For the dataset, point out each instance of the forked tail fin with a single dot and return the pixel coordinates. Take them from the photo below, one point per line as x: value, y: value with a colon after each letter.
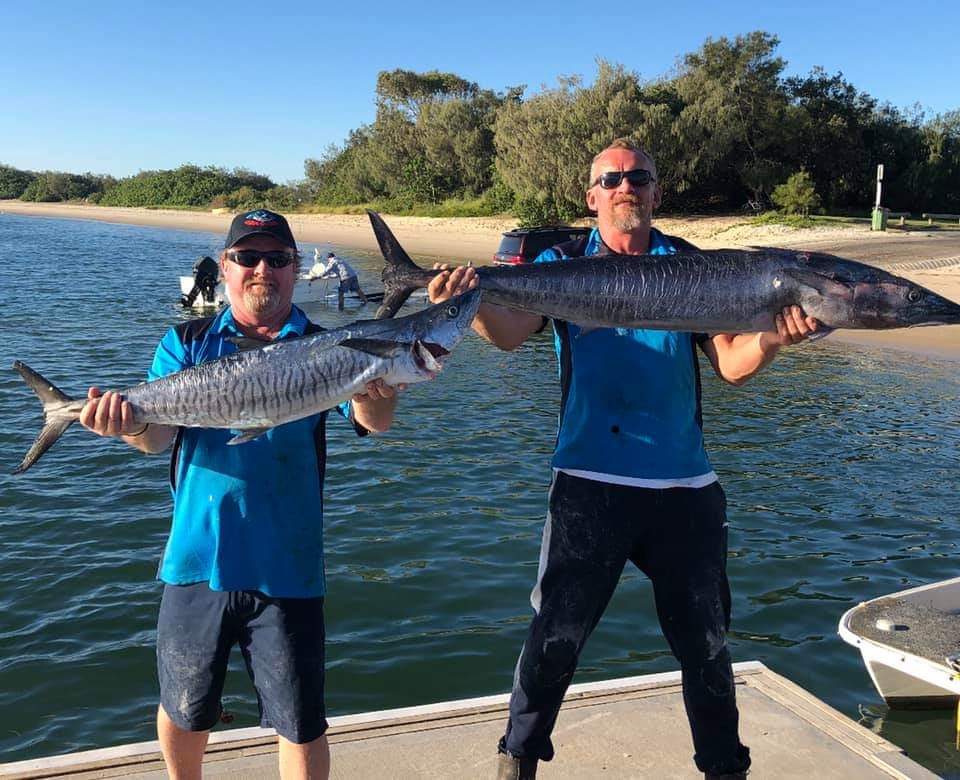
x: 59, y: 413
x: 401, y: 276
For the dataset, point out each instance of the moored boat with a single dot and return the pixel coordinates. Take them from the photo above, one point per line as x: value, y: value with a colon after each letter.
x: 910, y: 643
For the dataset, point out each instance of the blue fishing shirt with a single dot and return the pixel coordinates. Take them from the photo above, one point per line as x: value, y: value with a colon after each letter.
x: 630, y: 403
x: 246, y: 516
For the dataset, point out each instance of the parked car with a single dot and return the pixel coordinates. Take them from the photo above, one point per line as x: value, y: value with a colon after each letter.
x: 524, y: 244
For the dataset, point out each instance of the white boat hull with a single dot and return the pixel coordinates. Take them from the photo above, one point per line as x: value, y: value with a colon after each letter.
x: 904, y: 678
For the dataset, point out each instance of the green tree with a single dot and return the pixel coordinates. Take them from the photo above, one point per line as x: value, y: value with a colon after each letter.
x: 731, y: 128
x: 407, y: 91
x: 829, y: 120
x: 13, y: 181
x: 53, y: 186
x: 545, y: 145
x: 797, y: 195
x: 188, y: 185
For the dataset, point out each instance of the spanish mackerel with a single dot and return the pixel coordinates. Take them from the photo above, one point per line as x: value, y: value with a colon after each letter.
x: 716, y: 291
x: 256, y: 389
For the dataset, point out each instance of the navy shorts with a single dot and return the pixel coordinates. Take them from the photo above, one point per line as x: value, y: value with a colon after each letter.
x: 282, y: 645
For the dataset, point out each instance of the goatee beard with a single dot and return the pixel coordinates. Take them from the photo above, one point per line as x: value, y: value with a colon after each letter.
x: 261, y: 301
x: 627, y: 222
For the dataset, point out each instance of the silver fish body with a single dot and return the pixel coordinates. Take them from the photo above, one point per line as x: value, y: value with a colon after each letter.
x: 256, y: 389
x: 719, y: 291
x: 276, y: 384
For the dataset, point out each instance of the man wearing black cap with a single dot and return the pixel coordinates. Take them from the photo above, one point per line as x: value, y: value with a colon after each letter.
x: 244, y: 561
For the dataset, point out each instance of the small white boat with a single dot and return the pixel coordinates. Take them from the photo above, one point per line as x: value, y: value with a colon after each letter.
x: 910, y: 643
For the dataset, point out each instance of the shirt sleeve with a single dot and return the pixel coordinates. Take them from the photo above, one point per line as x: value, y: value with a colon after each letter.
x: 549, y: 255
x: 170, y: 357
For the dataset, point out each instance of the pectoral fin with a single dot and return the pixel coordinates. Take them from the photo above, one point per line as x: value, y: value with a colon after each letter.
x: 248, y: 435
x: 377, y: 347
x: 820, y: 333
x: 585, y: 330
x: 245, y: 343
x: 822, y: 284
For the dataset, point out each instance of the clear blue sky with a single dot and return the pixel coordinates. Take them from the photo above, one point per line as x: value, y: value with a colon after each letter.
x: 117, y: 87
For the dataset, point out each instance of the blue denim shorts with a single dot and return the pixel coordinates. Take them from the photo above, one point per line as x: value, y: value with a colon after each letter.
x: 282, y: 644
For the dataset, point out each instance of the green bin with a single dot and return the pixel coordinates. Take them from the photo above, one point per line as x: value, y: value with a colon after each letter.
x: 879, y: 221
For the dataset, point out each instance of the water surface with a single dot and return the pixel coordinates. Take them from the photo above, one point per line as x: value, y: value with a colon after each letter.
x: 840, y: 464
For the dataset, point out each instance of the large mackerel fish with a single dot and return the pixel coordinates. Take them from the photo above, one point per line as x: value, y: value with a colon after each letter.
x: 716, y: 291
x: 260, y: 387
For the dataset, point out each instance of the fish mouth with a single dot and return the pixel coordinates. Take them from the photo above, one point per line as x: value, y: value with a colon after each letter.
x: 435, y: 349
x: 425, y: 358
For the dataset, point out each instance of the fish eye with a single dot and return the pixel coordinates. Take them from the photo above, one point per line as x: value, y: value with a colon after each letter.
x: 914, y: 295
x: 453, y: 311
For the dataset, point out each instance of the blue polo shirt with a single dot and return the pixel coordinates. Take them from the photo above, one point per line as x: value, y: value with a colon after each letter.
x: 246, y: 516
x: 630, y: 404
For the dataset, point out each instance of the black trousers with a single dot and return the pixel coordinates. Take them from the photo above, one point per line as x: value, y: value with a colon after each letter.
x: 678, y: 538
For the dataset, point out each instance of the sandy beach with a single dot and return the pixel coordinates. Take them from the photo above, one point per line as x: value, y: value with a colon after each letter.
x: 476, y: 238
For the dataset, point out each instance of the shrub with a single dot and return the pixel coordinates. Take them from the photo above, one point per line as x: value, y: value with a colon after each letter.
x: 797, y: 195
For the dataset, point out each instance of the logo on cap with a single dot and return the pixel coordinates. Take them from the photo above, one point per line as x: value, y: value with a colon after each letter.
x: 259, y: 218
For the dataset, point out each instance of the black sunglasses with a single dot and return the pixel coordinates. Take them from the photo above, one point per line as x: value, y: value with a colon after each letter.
x: 611, y: 179
x: 250, y: 258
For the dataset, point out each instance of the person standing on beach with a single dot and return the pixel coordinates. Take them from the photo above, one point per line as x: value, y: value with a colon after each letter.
x: 244, y: 560
x: 631, y: 481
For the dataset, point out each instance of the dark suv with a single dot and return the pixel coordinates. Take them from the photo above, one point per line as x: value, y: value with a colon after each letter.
x: 524, y: 244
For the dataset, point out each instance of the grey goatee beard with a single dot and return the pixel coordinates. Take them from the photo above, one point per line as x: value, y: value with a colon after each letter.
x: 261, y: 300
x: 626, y: 221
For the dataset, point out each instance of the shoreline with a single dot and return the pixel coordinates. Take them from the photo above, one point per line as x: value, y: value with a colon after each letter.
x: 476, y: 238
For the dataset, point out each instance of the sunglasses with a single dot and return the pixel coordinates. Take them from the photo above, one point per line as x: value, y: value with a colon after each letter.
x: 250, y: 258
x: 611, y: 179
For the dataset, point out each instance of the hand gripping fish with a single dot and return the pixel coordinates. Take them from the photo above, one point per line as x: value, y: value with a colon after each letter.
x: 717, y: 291
x: 256, y: 389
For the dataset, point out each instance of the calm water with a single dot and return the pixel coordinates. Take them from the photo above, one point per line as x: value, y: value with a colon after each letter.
x: 840, y: 465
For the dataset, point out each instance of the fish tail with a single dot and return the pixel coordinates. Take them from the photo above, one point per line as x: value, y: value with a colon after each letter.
x: 401, y: 276
x: 60, y: 411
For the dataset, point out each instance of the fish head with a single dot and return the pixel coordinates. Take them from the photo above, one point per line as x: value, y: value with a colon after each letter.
x: 847, y: 294
x: 439, y: 328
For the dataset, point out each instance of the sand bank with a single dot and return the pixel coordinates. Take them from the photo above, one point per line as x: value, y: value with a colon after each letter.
x: 476, y: 239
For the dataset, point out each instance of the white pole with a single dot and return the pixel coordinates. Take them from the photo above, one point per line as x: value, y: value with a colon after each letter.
x: 879, y: 183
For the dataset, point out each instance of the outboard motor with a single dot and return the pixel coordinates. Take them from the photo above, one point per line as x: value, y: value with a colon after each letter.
x: 206, y: 273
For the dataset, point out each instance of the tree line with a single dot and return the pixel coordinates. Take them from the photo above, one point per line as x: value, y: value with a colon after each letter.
x: 183, y: 187
x: 726, y: 127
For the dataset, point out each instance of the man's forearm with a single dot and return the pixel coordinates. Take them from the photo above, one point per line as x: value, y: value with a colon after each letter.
x: 741, y: 356
x: 505, y: 328
x: 375, y: 415
x: 155, y: 438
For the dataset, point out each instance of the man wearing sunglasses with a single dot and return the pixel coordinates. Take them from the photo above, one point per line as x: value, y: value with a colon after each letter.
x: 631, y: 481
x: 244, y: 560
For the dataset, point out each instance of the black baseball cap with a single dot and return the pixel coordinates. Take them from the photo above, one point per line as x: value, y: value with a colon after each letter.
x: 259, y: 222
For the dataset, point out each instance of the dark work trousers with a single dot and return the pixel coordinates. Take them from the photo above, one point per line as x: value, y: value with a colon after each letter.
x: 678, y: 538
